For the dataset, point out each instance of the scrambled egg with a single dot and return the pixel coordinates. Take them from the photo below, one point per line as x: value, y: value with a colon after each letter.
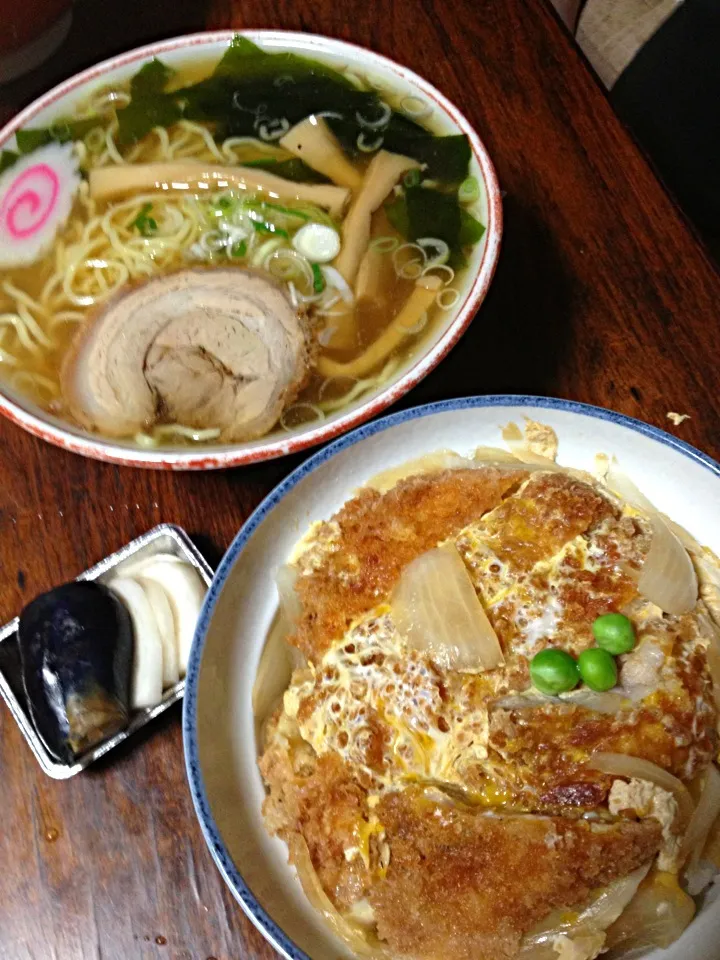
x: 385, y: 711
x: 646, y: 799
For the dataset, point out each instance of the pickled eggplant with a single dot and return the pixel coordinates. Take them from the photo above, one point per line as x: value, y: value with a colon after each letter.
x: 76, y: 648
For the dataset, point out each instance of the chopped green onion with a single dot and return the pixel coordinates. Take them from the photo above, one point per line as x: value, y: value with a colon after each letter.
x: 239, y: 249
x: 318, y: 278
x: 317, y: 242
x: 290, y: 211
x: 385, y: 244
x: 469, y: 190
x: 265, y: 249
x: 262, y: 227
x: 260, y: 206
x: 412, y: 178
x: 146, y: 225
x: 224, y: 203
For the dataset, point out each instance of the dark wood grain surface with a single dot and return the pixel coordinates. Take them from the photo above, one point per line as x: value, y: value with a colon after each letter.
x: 603, y: 295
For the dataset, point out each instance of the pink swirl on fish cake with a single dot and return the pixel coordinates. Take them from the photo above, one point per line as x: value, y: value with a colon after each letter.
x: 29, y: 202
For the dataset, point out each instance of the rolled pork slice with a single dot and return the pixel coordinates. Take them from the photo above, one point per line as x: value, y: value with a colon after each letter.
x: 221, y: 348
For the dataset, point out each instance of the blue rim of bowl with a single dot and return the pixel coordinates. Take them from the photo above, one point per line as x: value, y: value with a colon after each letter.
x: 247, y: 900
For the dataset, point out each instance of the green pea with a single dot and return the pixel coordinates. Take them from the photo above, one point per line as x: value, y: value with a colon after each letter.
x: 615, y: 633
x: 598, y: 669
x: 554, y: 671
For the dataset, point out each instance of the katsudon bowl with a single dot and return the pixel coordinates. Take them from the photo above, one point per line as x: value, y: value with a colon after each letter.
x: 106, y: 220
x: 221, y: 724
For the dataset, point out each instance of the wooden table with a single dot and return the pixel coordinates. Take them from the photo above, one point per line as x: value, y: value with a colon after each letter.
x: 603, y: 295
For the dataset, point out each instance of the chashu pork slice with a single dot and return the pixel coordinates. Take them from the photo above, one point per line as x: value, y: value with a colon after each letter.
x: 217, y: 348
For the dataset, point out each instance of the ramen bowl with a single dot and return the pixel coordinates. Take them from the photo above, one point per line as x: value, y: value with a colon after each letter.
x: 219, y: 726
x: 191, y: 54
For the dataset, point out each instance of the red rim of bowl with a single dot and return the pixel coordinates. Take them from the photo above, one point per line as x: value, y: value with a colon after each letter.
x: 199, y: 459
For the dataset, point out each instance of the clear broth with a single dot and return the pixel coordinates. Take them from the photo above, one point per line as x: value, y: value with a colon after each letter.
x: 37, y: 374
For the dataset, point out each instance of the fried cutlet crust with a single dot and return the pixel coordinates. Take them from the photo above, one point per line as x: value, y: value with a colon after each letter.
x: 469, y: 886
x: 320, y: 799
x: 552, y: 509
x: 379, y: 534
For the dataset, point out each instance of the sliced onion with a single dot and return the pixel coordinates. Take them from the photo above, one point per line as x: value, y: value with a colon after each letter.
x: 442, y: 250
x: 608, y: 703
x: 623, y: 765
x: 602, y: 911
x: 586, y: 946
x: 709, y: 629
x: 495, y: 455
x: 532, y: 700
x: 519, y: 446
x: 429, y: 463
x: 286, y: 580
x: 707, y: 567
x: 333, y: 278
x: 482, y: 458
x: 711, y: 853
x: 277, y: 662
x: 704, y: 816
x: 655, y: 917
x: 623, y: 487
x: 349, y: 934
x: 668, y: 578
x: 437, y: 611
x: 505, y: 460
x: 713, y: 659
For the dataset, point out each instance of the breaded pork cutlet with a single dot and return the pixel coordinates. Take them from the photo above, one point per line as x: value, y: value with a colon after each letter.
x: 452, y: 811
x: 374, y: 536
x: 458, y: 883
x: 469, y: 886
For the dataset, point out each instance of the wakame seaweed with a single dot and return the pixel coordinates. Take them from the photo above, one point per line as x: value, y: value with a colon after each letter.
x: 246, y: 87
x: 151, y: 79
x: 445, y: 158
x: 244, y: 59
x: 425, y: 212
x: 149, y: 105
x: 7, y: 159
x: 241, y: 110
x: 62, y: 131
x: 471, y: 230
x: 251, y: 92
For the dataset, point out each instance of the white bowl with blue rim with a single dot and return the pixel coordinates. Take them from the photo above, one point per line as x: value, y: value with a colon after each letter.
x: 218, y: 723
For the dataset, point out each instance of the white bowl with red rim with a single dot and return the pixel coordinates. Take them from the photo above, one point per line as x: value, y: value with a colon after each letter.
x: 445, y: 333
